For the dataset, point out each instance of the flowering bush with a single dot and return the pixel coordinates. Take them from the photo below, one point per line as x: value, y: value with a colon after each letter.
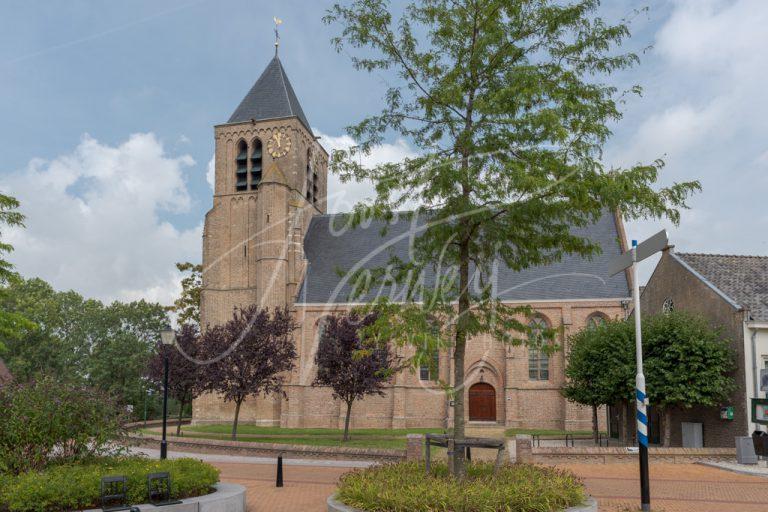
x: 47, y: 422
x: 405, y: 487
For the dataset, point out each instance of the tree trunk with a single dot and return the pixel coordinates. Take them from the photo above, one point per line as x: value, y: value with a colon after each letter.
x: 238, y: 403
x: 666, y: 414
x: 346, y: 421
x: 595, y: 428
x: 622, y: 424
x: 457, y: 458
x: 630, y: 427
x: 181, y: 415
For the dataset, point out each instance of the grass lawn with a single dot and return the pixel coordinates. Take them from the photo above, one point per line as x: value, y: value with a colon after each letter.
x: 360, y: 438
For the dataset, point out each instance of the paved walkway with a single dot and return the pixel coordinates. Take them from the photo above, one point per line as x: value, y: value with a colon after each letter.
x: 674, y: 487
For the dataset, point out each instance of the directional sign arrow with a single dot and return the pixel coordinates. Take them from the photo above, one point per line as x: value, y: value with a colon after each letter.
x: 647, y: 248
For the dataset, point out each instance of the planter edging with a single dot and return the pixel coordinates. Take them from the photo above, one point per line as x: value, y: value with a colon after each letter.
x: 336, y: 506
x: 227, y: 498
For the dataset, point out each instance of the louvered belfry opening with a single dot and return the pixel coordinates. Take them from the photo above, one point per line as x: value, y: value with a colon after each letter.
x: 241, y: 167
x: 256, y: 164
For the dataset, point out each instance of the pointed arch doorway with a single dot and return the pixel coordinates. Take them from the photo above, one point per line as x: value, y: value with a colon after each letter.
x: 482, y: 402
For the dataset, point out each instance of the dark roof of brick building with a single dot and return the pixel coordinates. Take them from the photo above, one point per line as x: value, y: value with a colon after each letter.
x: 332, y: 250
x: 744, y: 279
x: 271, y: 97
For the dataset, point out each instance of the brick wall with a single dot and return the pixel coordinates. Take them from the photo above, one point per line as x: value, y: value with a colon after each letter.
x: 411, y: 402
x: 671, y: 280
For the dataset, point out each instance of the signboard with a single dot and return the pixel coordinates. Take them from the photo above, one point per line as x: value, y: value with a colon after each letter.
x: 764, y: 379
x: 760, y: 411
x: 646, y: 249
x: 726, y: 413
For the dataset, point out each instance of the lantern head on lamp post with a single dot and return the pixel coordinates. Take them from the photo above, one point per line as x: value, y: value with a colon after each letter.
x: 168, y: 339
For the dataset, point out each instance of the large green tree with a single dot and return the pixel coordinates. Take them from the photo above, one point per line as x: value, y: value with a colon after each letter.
x: 187, y: 306
x: 12, y: 325
x: 687, y: 363
x: 508, y: 104
x: 600, y: 366
x: 81, y: 340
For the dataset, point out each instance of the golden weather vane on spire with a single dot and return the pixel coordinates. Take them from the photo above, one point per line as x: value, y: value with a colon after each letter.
x: 278, y: 22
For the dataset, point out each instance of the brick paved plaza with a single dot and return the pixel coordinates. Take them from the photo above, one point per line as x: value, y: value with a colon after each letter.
x: 675, y: 487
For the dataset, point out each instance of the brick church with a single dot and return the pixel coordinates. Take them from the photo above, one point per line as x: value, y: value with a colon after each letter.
x: 269, y: 240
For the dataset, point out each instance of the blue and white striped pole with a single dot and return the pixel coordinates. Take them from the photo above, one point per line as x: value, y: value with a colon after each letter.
x: 640, y: 396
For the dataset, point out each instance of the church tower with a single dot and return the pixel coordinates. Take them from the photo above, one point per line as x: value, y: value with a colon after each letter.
x: 271, y: 178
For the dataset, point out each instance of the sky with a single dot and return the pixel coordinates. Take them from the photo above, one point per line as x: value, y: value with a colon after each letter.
x: 108, y: 111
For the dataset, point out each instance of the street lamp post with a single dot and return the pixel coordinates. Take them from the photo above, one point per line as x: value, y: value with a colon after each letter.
x: 168, y: 339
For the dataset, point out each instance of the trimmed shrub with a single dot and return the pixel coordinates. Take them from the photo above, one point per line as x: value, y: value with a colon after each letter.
x: 48, y: 422
x: 76, y: 487
x: 404, y: 487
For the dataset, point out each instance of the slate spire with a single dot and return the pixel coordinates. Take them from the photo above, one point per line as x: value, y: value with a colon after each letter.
x: 271, y: 97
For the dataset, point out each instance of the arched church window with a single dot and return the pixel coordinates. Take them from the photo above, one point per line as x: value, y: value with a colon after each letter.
x: 595, y: 320
x: 538, y: 359
x: 241, y: 166
x: 668, y: 306
x: 322, y: 325
x: 314, y: 185
x: 309, y: 173
x: 256, y: 164
x: 430, y: 369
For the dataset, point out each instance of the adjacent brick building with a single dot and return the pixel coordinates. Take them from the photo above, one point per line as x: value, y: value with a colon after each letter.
x: 269, y: 240
x: 732, y: 293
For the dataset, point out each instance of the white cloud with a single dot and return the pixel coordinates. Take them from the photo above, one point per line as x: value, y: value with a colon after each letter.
x: 343, y: 196
x: 94, y: 219
x: 718, y: 35
x: 705, y: 113
x: 210, y: 173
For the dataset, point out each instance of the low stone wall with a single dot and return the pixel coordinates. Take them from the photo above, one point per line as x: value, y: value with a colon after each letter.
x: 526, y: 452
x: 221, y: 447
x: 227, y: 498
x: 156, y: 423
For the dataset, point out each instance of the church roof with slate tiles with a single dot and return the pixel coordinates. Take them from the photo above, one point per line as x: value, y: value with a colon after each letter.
x: 331, y: 251
x: 271, y: 97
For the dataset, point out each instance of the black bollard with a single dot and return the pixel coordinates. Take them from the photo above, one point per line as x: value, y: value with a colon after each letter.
x: 469, y: 454
x: 279, y: 482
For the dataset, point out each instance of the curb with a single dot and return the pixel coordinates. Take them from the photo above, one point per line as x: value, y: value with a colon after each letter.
x: 227, y: 498
x: 336, y: 506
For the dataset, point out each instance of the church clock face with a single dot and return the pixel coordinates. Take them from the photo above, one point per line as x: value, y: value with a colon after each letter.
x: 279, y: 145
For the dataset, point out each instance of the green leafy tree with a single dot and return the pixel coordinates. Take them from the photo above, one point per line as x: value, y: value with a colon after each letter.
x: 507, y: 104
x: 9, y: 217
x: 687, y: 363
x: 82, y: 340
x: 600, y: 366
x: 187, y: 306
x: 124, y: 339
x: 61, y: 340
x: 12, y: 325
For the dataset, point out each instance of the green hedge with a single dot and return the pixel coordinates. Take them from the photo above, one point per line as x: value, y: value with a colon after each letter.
x: 76, y: 487
x: 404, y: 487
